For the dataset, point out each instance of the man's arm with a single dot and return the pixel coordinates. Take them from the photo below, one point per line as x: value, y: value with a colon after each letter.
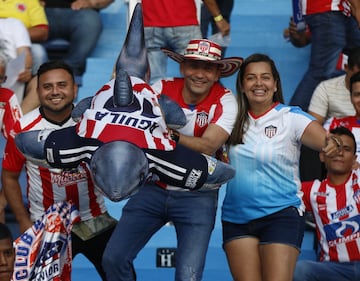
x: 212, y: 139
x: 13, y: 194
x: 221, y: 23
x: 93, y: 4
x: 217, y: 133
x: 38, y: 33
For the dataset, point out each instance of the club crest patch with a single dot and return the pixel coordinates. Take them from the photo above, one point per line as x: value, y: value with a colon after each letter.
x: 204, y: 48
x: 270, y: 131
x: 202, y: 119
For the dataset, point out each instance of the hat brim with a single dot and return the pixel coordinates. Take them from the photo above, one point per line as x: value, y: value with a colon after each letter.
x: 228, y: 66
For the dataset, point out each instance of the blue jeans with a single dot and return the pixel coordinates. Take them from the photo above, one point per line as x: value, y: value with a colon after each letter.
x: 193, y: 215
x: 326, y: 271
x: 81, y: 28
x: 331, y: 33
x: 173, y: 38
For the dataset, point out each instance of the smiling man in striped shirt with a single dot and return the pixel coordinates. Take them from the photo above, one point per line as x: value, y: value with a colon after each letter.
x: 335, y: 203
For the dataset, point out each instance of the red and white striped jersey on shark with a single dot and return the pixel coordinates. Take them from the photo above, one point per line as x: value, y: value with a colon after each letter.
x: 140, y: 123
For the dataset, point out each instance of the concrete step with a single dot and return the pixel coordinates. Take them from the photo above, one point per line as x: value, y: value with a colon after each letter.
x: 262, y: 7
x: 98, y: 73
x: 157, y: 274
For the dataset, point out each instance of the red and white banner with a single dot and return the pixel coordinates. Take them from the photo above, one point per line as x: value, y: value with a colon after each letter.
x: 43, y: 252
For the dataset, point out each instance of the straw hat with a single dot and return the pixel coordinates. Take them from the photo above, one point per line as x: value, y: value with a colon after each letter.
x: 206, y: 50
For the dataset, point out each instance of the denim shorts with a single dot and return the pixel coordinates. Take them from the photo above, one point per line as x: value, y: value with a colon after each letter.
x: 285, y: 227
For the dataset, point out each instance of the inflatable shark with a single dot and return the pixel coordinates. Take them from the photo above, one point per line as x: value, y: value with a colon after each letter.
x: 123, y: 133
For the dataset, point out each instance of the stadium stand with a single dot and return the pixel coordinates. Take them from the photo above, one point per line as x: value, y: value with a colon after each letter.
x: 256, y: 26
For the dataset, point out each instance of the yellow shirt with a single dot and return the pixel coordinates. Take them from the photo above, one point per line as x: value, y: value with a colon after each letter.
x: 30, y: 12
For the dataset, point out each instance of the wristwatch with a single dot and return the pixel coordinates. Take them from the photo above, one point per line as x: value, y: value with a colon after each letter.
x: 174, y: 135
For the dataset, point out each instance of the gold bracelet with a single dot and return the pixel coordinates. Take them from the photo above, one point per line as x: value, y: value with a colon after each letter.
x: 218, y: 18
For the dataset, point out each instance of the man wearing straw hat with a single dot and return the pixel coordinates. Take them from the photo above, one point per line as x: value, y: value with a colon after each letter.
x: 210, y: 111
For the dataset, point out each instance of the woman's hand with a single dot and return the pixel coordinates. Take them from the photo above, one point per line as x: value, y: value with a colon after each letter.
x: 333, y: 144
